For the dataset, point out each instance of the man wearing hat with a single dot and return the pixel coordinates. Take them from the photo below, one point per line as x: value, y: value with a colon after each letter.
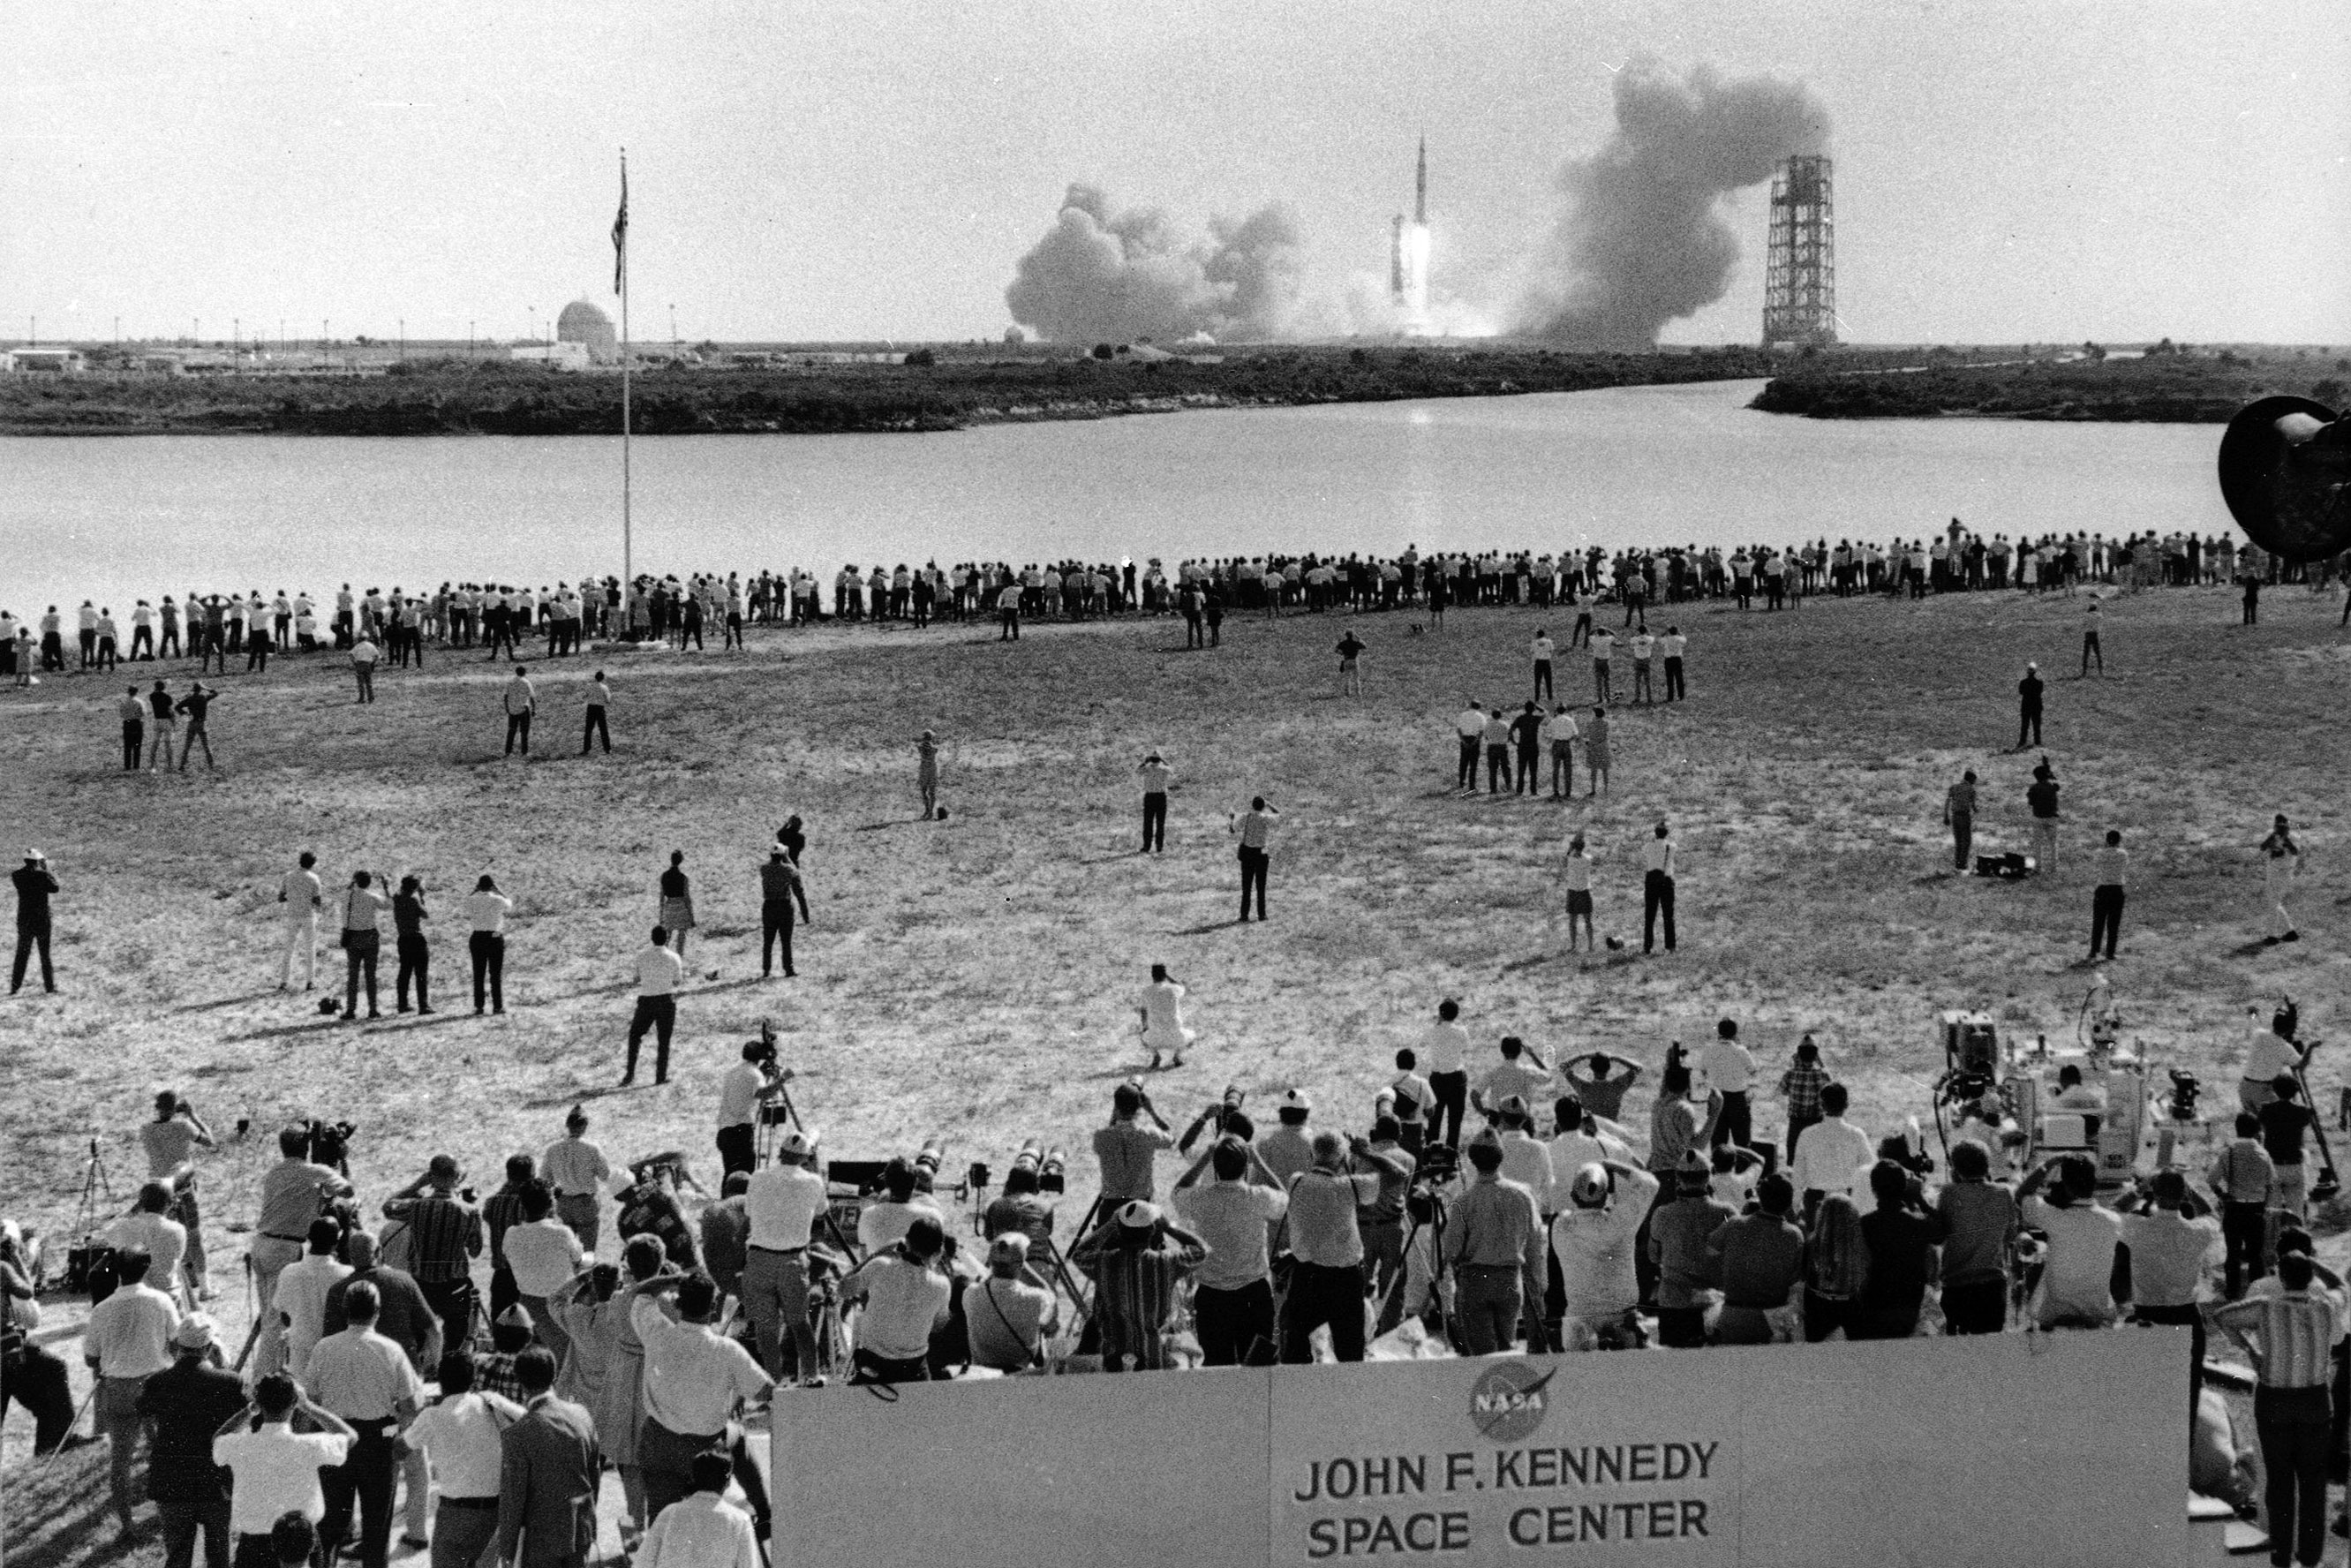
x: 1493, y: 1242
x: 35, y: 887
x: 1009, y: 1318
x: 783, y: 1202
x: 1289, y: 1148
x: 1135, y: 1256
x: 1594, y: 1239
x: 189, y: 1401
x: 445, y: 1237
x: 1687, y: 1275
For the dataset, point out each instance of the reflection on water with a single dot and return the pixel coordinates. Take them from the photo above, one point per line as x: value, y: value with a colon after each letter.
x: 114, y: 517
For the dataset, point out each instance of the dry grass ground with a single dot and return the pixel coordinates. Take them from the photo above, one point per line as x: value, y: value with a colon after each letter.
x: 975, y: 976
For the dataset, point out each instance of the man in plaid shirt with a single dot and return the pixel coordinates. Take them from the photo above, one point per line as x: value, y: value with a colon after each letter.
x: 446, y: 1236
x: 1800, y: 1087
x: 1136, y: 1255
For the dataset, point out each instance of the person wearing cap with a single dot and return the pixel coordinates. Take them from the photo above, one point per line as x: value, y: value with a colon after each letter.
x: 274, y: 1469
x: 1126, y: 1150
x: 1136, y: 1255
x: 127, y: 1341
x: 301, y: 1299
x: 1326, y: 1281
x: 1006, y: 1317
x: 701, y: 1529
x: 783, y: 1202
x: 908, y: 1298
x: 1493, y: 1242
x: 1595, y: 1241
x: 549, y: 1467
x: 444, y: 1237
x: 780, y: 887
x: 660, y: 972
x: 188, y: 1401
x: 580, y: 1173
x: 457, y: 1439
x: 1232, y: 1298
x: 366, y: 1379
x: 1679, y: 1230
x: 1156, y: 775
x: 35, y: 887
x: 2028, y: 706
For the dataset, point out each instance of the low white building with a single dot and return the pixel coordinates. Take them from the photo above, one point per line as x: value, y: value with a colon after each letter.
x: 45, y: 362
x: 560, y: 356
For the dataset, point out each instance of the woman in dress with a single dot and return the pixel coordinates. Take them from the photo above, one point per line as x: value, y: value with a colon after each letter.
x: 676, y: 902
x: 2280, y: 864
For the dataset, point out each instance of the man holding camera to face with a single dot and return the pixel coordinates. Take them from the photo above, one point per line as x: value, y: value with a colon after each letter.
x: 1326, y: 1284
x: 907, y: 1298
x: 743, y: 1095
x: 1126, y: 1149
x: 1232, y: 1303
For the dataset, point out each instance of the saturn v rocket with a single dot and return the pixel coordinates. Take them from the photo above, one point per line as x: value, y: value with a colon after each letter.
x: 1408, y: 256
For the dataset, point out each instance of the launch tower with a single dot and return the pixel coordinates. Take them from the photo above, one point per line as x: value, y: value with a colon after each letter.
x: 1800, y: 265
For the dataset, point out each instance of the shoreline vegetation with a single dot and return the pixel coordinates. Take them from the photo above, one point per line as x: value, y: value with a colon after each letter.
x: 433, y: 391
x: 2164, y: 385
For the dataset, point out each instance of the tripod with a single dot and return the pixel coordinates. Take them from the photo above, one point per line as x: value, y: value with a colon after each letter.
x: 95, y: 1181
x: 2328, y: 1185
x: 778, y: 1097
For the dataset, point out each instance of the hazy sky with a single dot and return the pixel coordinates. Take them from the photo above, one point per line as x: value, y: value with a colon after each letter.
x: 2034, y: 170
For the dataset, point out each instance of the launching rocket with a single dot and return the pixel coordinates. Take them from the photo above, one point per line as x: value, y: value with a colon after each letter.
x: 1408, y: 254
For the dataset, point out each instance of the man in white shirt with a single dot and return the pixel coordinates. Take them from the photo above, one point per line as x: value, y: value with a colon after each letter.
x: 1830, y: 1153
x: 1470, y: 728
x: 301, y: 1299
x: 275, y: 1469
x: 2112, y: 863
x: 1670, y: 647
x: 458, y: 1434
x: 1444, y: 1054
x: 1730, y: 1068
x: 520, y: 700
x: 2077, y: 1278
x: 660, y: 972
x: 366, y: 1379
x: 149, y: 1229
x: 701, y: 1529
x: 1558, y: 737
x: 1526, y: 1159
x: 741, y: 1093
x: 543, y: 1256
x: 1604, y: 648
x: 886, y: 1221
x: 2171, y: 1237
x: 169, y: 1142
x: 2272, y: 1051
x: 127, y: 1341
x: 1255, y: 829
x: 906, y: 1299
x: 1232, y: 1299
x: 1657, y: 871
x: 1594, y: 1240
x: 693, y: 1382
x: 486, y: 912
x: 1162, y: 1007
x: 580, y: 1173
x: 1009, y: 1318
x: 782, y: 1203
x: 1516, y: 1076
x: 1579, y: 1139
x: 303, y: 895
x: 1543, y: 692
x: 365, y: 654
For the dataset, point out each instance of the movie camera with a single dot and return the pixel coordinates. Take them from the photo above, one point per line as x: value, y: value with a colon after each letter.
x: 1424, y: 1199
x: 328, y: 1143
x: 2033, y: 1103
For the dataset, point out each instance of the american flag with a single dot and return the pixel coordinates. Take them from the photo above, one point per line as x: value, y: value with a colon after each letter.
x: 620, y: 233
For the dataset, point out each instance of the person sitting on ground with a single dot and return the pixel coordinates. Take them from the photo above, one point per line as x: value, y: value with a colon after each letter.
x: 1837, y: 1266
x: 2076, y: 1278
x: 1759, y: 1258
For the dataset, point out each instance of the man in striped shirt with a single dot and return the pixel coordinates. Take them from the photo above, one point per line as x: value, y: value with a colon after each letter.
x: 2292, y: 1335
x: 446, y: 1238
x: 1135, y: 1257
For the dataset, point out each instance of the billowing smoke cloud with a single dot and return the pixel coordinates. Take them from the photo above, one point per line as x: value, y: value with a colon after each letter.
x: 1643, y: 240
x: 1100, y: 275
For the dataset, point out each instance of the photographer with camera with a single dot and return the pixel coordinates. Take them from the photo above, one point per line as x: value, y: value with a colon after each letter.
x: 783, y: 1203
x: 1232, y: 1299
x: 1023, y: 1206
x: 883, y: 1225
x: 1135, y: 1257
x: 1125, y: 1150
x: 1009, y: 1318
x: 2077, y: 1276
x: 1494, y: 1246
x: 695, y: 1382
x: 294, y: 1192
x: 149, y: 1228
x: 445, y: 1237
x: 170, y: 1143
x: 907, y: 1297
x: 749, y: 1086
x: 1225, y: 1115
x: 1326, y: 1279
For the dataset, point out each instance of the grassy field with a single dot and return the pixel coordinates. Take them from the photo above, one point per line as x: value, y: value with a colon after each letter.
x: 2199, y: 389
x: 975, y: 976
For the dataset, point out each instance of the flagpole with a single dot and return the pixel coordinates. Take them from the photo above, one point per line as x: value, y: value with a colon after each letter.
x: 628, y: 561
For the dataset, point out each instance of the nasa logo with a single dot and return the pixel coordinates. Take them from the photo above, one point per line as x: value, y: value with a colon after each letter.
x: 1509, y: 1401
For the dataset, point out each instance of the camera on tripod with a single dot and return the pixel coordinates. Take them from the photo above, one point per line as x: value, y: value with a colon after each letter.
x: 1970, y: 1058
x: 1046, y: 1163
x: 2182, y: 1107
x: 1423, y: 1199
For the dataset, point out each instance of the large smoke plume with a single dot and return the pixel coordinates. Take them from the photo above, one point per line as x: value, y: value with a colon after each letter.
x: 1102, y: 275
x: 1643, y: 240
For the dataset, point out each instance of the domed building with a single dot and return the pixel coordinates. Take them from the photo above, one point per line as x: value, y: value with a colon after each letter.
x: 584, y: 322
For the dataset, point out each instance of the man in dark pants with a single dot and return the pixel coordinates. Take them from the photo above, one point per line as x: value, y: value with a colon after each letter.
x: 2241, y: 1178
x: 134, y: 728
x: 445, y: 1236
x: 548, y: 1475
x: 660, y: 971
x: 1526, y: 730
x: 2170, y: 1237
x: 1256, y: 831
x: 35, y: 888
x: 189, y: 1401
x: 2106, y: 901
x: 2028, y: 706
x: 363, y: 1377
x: 1960, y: 815
x: 1658, y: 889
x: 600, y: 699
x: 1154, y: 803
x: 2252, y: 600
x: 779, y: 885
x: 2291, y: 1334
x: 522, y: 702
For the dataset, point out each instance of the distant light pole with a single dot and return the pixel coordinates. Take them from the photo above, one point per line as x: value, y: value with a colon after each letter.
x: 32, y: 331
x: 322, y: 340
x: 235, y: 339
x: 673, y: 333
x: 195, y: 331
x: 469, y: 339
x: 403, y: 337
x: 534, y: 323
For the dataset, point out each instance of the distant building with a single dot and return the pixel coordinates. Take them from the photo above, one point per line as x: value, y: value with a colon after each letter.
x: 585, y: 323
x: 47, y: 362
x: 564, y: 354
